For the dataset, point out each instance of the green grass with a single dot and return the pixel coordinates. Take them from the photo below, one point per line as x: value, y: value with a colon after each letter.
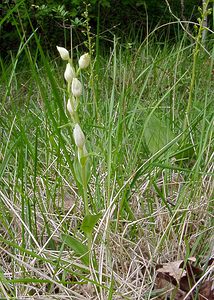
x: 151, y: 181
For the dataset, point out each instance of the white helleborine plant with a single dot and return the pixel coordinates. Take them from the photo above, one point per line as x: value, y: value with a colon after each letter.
x: 84, y: 61
x: 69, y: 73
x: 76, y: 87
x: 73, y: 93
x: 79, y: 136
x: 63, y: 53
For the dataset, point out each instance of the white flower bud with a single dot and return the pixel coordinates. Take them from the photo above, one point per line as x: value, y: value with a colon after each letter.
x: 76, y: 87
x: 79, y: 136
x: 72, y: 105
x: 69, y: 106
x: 63, y: 53
x: 84, y: 61
x: 69, y: 73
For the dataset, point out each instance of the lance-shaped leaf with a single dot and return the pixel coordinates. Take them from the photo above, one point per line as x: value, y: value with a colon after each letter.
x: 157, y: 134
x: 78, y: 247
x: 89, y: 222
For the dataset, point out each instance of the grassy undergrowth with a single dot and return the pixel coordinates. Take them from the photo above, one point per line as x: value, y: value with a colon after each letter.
x: 150, y: 180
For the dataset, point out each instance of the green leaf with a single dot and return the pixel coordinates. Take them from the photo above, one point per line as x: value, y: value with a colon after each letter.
x: 157, y: 134
x: 89, y: 222
x: 186, y: 152
x: 77, y: 170
x: 78, y: 247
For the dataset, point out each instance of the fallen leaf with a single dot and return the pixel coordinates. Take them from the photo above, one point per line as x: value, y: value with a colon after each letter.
x: 166, y: 289
x: 177, y: 279
x: 205, y: 291
x: 180, y: 295
x: 191, y: 277
x: 173, y: 269
x: 162, y: 288
x: 163, y: 284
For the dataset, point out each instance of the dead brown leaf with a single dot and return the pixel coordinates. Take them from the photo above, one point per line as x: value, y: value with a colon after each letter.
x: 205, y: 291
x: 173, y: 269
x: 191, y: 277
x: 180, y: 295
x: 168, y: 289
x: 177, y: 279
x: 163, y: 286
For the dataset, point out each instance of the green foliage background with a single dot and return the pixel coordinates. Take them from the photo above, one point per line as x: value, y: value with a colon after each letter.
x: 51, y: 18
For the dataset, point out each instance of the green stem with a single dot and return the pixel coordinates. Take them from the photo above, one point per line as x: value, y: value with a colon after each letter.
x: 85, y: 198
x: 195, y: 57
x: 84, y: 185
